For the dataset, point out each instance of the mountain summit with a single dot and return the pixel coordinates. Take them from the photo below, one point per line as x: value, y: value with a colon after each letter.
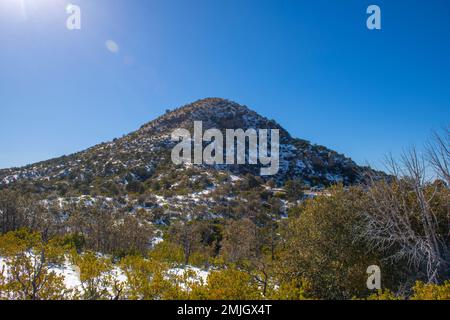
x: 144, y: 155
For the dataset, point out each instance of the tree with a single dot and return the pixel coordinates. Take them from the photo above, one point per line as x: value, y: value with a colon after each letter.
x: 146, y: 279
x: 96, y: 223
x: 251, y: 249
x: 420, y: 291
x: 239, y: 241
x: 28, y: 276
x: 321, y: 245
x: 110, y: 230
x: 227, y: 284
x: 186, y: 235
x: 10, y: 215
x: 438, y: 154
x: 407, y: 218
x: 96, y: 278
x: 296, y: 289
x: 424, y: 291
x: 131, y: 236
x: 294, y: 190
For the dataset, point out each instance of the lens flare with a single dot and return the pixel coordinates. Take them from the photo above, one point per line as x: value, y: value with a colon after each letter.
x: 25, y: 8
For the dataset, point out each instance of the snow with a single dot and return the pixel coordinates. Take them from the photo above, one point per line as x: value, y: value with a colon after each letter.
x: 198, y: 275
x: 235, y: 178
x: 156, y: 240
x: 301, y: 165
x: 160, y: 200
x: 334, y: 177
x: 2, y: 264
x: 71, y: 273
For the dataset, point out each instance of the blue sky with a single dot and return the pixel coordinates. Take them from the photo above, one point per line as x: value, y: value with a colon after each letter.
x: 311, y: 65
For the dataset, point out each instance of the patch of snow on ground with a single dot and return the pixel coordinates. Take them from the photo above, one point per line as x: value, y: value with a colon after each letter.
x: 200, y: 274
x: 156, y: 240
x: 70, y: 273
x: 235, y: 178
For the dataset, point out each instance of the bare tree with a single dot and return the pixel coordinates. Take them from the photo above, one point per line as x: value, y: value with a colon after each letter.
x: 187, y: 236
x: 10, y: 215
x: 240, y: 241
x: 406, y: 216
x: 438, y: 152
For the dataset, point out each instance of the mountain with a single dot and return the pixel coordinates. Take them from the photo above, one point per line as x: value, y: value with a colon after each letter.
x: 135, y: 172
x: 136, y: 156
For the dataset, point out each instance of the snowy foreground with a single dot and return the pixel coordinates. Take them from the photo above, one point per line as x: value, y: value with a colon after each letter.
x: 71, y: 273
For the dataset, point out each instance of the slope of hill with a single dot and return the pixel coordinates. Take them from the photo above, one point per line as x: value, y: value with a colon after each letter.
x: 145, y: 154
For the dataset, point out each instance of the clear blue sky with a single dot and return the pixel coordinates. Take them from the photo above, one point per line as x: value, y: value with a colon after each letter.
x: 311, y: 65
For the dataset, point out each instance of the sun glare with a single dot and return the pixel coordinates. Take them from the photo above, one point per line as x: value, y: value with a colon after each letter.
x: 25, y: 8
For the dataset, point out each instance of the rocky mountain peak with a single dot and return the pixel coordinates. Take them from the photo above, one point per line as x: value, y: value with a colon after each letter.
x: 140, y: 154
x: 214, y: 113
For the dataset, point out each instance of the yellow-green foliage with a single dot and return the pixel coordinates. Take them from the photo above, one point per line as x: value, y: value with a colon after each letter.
x: 30, y: 279
x: 384, y: 295
x: 16, y: 242
x: 319, y: 245
x: 227, y: 284
x: 424, y: 291
x: 167, y: 252
x: 3, y: 282
x: 95, y: 275
x: 145, y: 279
x: 421, y: 291
x: 293, y: 290
x: 28, y: 258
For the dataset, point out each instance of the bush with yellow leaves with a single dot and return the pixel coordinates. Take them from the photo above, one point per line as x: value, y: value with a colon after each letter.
x: 424, y: 291
x: 28, y: 274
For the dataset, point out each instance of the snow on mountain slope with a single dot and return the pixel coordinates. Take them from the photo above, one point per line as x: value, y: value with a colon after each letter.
x: 138, y: 155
